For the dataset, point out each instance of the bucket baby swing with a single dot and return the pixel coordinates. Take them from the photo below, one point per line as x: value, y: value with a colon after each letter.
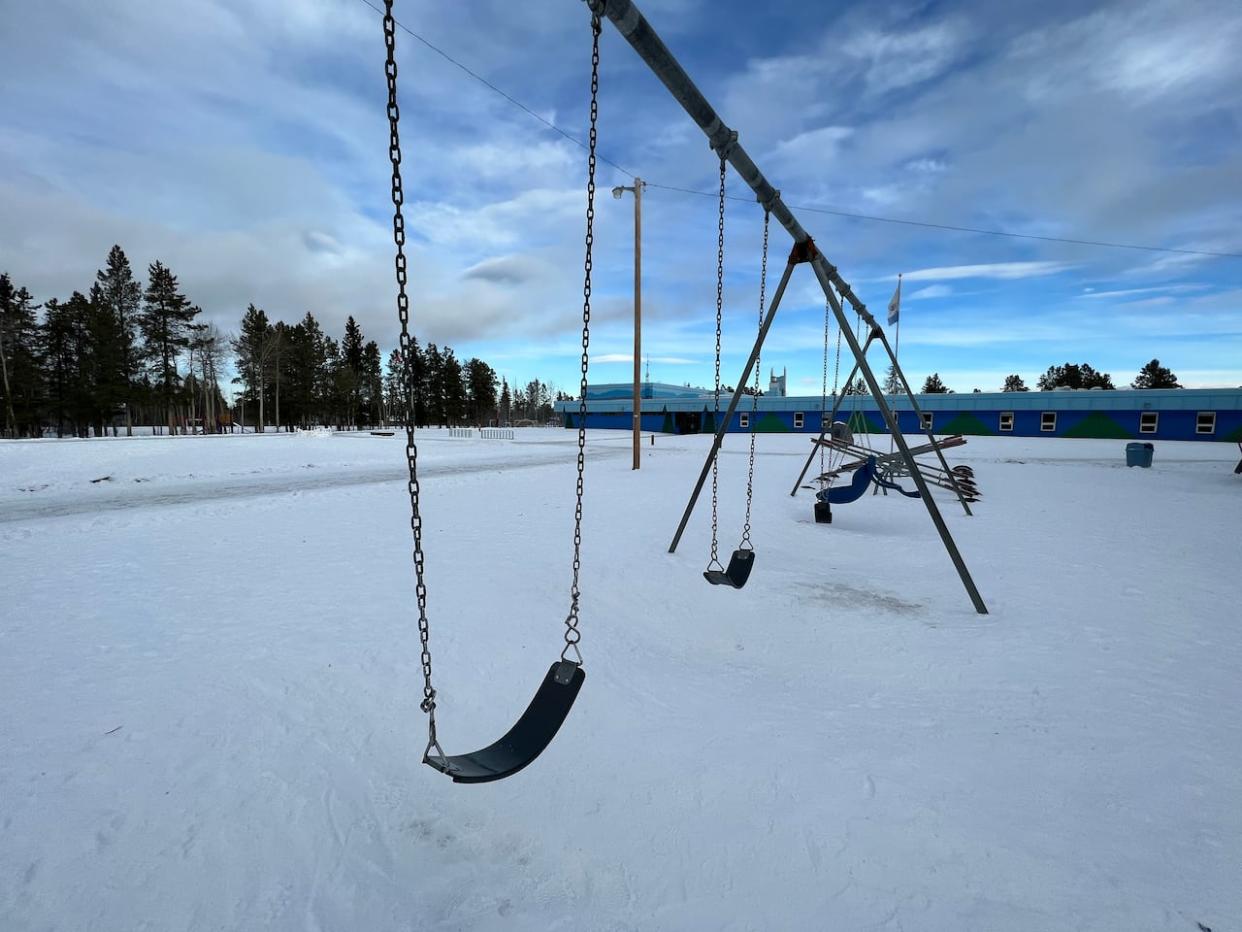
x: 743, y: 559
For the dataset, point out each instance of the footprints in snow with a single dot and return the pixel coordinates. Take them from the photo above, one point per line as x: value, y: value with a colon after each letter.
x: 841, y: 593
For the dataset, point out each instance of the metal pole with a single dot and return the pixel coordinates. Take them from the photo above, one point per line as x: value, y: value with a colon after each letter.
x: 634, y: 28
x: 737, y: 394
x: 638, y: 318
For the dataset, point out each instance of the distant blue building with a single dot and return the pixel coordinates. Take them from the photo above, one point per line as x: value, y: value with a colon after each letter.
x: 1154, y: 414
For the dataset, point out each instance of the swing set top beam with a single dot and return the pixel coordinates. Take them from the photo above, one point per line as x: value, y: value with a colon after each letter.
x: 634, y: 28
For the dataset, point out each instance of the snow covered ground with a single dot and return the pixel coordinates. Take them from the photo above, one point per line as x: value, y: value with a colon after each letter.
x: 209, y: 680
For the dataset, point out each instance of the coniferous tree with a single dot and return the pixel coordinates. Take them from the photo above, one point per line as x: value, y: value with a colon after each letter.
x: 117, y: 297
x: 351, y: 381
x: 1154, y: 375
x: 297, y: 369
x: 165, y: 319
x: 79, y: 397
x: 21, y: 378
x: 373, y: 383
x: 418, y: 375
x: 934, y: 386
x: 69, y: 348
x: 277, y: 339
x: 432, y: 384
x: 892, y: 385
x: 104, y: 362
x: 333, y: 402
x: 481, y: 385
x: 254, y: 347
x: 316, y: 372
x: 1073, y: 375
x: 1014, y: 383
x: 455, y: 398
x: 506, y: 403
x: 59, y: 350
x: 394, y: 387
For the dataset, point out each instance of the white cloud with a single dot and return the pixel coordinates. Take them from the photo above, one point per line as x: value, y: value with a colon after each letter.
x: 629, y: 358
x: 1001, y: 270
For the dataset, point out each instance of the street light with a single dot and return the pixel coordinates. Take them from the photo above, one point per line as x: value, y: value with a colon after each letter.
x: 637, y: 190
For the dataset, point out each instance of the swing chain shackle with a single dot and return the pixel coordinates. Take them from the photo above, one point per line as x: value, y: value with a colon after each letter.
x: 428, y: 704
x: 572, y: 634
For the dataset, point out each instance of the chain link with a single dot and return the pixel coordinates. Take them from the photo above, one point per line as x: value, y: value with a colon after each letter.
x: 572, y: 634
x: 715, y: 558
x: 754, y: 398
x: 428, y: 705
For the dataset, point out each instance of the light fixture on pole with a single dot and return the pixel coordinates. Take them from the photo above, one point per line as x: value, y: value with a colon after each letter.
x: 637, y: 190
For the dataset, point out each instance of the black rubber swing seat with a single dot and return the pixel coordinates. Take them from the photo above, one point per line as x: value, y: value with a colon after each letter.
x: 740, y: 565
x: 527, y: 739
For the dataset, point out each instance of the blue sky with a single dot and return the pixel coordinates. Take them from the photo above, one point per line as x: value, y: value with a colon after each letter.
x: 245, y: 145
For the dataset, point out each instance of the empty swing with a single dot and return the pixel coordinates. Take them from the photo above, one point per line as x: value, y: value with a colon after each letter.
x: 742, y: 560
x: 538, y: 725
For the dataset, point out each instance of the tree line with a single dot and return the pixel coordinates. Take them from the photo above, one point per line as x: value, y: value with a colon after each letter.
x: 1069, y: 375
x: 124, y: 354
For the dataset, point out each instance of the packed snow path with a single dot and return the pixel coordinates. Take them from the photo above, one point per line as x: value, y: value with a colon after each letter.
x: 209, y: 680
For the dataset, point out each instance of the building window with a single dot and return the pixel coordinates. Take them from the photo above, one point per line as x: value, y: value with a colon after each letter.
x: 743, y: 419
x: 1205, y: 422
x: 926, y: 417
x: 797, y: 420
x: 825, y: 421
x: 1048, y: 421
x: 1148, y: 421
x: 1006, y: 420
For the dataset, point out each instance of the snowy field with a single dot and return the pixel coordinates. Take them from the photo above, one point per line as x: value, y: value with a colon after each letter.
x: 209, y: 680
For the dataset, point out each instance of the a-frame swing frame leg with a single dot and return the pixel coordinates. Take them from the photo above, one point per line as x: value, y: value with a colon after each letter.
x: 823, y: 273
x: 742, y: 382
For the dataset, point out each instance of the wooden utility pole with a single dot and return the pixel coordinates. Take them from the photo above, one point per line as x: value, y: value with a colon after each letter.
x: 637, y: 190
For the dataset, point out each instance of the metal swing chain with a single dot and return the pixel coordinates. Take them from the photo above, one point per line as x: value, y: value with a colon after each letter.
x: 823, y: 388
x: 572, y: 634
x: 836, y: 378
x: 754, y: 398
x: 428, y: 704
x: 715, y: 560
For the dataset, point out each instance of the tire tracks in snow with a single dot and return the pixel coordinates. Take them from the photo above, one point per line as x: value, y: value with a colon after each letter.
x: 14, y: 511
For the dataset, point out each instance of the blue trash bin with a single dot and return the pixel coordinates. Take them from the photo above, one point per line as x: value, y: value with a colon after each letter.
x: 1139, y: 454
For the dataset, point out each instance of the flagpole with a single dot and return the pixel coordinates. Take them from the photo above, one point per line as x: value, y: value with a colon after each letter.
x: 896, y: 356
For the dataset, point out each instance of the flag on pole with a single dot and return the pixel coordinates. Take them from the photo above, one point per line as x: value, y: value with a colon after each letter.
x: 894, y: 305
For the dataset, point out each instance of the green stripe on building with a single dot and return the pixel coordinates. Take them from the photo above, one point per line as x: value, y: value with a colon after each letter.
x: 1098, y: 426
x: 966, y: 423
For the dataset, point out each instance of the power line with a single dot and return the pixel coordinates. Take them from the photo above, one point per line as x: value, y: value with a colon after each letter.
x: 852, y: 215
x: 959, y: 229
x: 488, y: 84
